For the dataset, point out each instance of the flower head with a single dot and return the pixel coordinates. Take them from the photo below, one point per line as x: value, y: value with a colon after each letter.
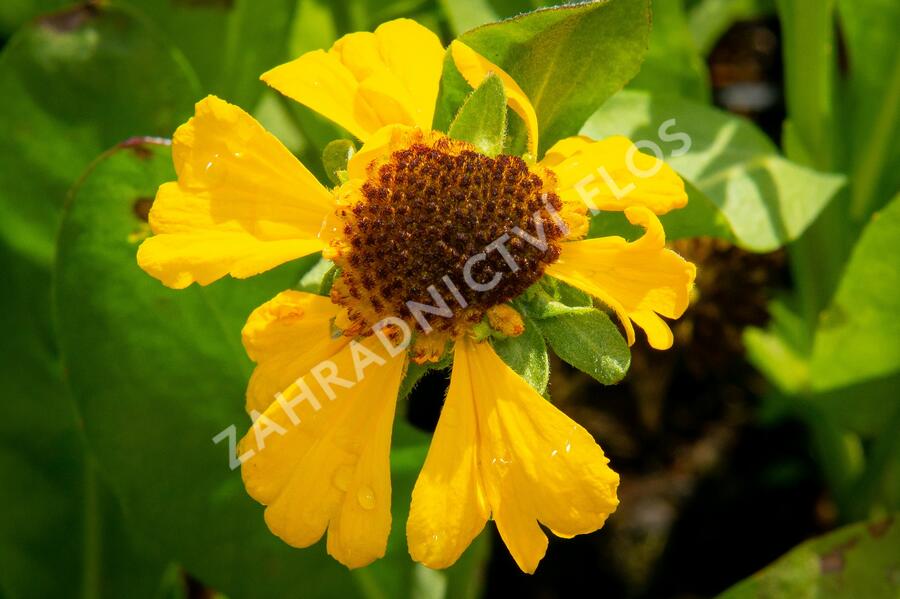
x: 420, y: 216
x: 431, y: 239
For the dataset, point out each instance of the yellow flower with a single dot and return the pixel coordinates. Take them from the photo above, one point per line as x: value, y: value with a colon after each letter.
x: 422, y: 223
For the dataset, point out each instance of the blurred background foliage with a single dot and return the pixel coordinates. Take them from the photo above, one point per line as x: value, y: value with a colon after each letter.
x: 774, y: 420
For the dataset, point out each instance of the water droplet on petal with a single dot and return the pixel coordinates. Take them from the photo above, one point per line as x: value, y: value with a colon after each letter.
x: 568, y: 446
x: 216, y: 171
x: 343, y: 477
x: 366, y: 498
x: 553, y: 453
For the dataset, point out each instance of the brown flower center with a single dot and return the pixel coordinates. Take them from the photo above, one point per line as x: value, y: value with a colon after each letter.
x: 439, y: 224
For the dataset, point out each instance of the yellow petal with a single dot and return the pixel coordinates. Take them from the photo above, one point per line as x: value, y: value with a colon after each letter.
x: 565, y: 148
x: 369, y: 80
x: 378, y: 146
x: 499, y: 441
x: 639, y: 280
x: 536, y: 463
x: 329, y: 468
x: 614, y: 174
x: 474, y: 68
x: 449, y: 507
x: 242, y: 204
x: 286, y: 337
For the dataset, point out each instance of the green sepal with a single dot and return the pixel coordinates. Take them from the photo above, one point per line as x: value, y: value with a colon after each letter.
x: 548, y: 298
x: 415, y: 372
x: 587, y: 339
x: 527, y: 355
x: 481, y: 120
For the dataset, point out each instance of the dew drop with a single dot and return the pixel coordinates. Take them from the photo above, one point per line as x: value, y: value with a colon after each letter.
x: 366, y: 498
x: 553, y: 453
x: 342, y: 477
x: 568, y: 446
x: 216, y: 170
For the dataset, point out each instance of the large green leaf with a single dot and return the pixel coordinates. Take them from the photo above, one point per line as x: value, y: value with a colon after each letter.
x: 63, y: 533
x: 765, y: 200
x: 229, y: 43
x: 158, y: 373
x: 857, y: 336
x: 568, y: 59
x: 74, y: 84
x: 860, y: 560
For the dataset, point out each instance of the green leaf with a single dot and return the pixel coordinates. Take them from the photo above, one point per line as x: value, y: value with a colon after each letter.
x: 179, y: 379
x: 865, y: 408
x: 69, y: 82
x: 859, y: 560
x: 781, y: 363
x: 229, y: 43
x: 872, y: 91
x: 482, y: 119
x: 550, y: 297
x: 735, y: 171
x: 74, y: 84
x: 589, y: 341
x: 527, y: 355
x: 780, y: 351
x: 63, y: 533
x: 553, y: 53
x: 857, y: 335
x: 673, y: 65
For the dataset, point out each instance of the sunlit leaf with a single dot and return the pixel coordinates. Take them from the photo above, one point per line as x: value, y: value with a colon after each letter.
x: 552, y: 52
x: 857, y: 337
x: 765, y: 199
